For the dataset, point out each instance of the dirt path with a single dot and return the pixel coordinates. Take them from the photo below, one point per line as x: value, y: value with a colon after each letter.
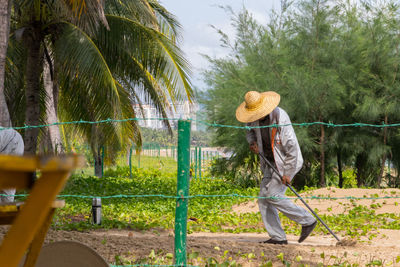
x: 382, y: 250
x: 315, y: 250
x: 380, y: 200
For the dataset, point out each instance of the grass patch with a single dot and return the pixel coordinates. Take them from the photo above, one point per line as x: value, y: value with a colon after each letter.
x: 143, y: 213
x: 210, y: 214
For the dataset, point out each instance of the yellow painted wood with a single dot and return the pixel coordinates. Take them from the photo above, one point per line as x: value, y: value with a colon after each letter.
x: 13, y: 179
x: 37, y: 242
x: 32, y: 218
x: 8, y: 217
x: 7, y: 208
x: 15, y: 206
x: 44, y: 163
x: 58, y: 203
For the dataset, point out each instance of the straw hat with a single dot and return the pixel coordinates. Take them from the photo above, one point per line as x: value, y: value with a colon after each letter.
x: 257, y: 105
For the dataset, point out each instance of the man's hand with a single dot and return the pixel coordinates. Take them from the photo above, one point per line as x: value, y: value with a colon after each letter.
x: 285, y: 180
x: 254, y: 147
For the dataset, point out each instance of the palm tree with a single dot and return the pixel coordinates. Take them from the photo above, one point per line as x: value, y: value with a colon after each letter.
x: 99, y: 70
x: 5, y: 11
x: 34, y: 21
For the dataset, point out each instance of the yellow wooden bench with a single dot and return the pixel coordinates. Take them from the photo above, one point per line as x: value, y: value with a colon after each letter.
x: 30, y: 223
x: 8, y: 211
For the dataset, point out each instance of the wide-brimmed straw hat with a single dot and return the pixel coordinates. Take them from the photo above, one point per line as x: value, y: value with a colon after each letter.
x: 257, y: 105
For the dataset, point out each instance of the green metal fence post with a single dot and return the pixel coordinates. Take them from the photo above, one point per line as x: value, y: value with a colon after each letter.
x: 200, y: 159
x: 195, y: 163
x: 182, y: 192
x: 130, y: 162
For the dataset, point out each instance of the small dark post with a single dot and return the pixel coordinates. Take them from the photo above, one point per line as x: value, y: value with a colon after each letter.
x: 96, y: 210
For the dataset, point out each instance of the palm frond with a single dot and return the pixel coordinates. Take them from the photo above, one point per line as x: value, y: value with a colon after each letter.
x: 137, y: 10
x: 14, y: 84
x: 155, y: 52
x: 80, y: 59
x: 169, y: 24
x: 86, y: 14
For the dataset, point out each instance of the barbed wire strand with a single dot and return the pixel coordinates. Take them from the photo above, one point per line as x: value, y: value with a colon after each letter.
x: 303, y: 124
x: 215, y: 196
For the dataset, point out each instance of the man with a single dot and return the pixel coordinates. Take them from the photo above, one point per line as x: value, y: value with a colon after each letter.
x: 10, y: 143
x: 280, y: 147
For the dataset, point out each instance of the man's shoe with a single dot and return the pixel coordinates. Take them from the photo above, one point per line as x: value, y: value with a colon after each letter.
x: 306, y: 231
x: 275, y: 242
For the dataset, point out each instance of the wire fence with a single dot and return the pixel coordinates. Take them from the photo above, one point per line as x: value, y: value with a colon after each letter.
x: 218, y: 196
x: 211, y: 124
x: 197, y: 158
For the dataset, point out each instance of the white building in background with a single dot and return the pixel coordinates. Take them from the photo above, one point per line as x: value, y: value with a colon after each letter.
x: 183, y: 110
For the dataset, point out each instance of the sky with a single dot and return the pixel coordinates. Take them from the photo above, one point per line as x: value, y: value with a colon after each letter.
x: 199, y: 37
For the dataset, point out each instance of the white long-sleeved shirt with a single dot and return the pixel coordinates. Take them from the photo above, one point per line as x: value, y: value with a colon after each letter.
x: 285, y: 147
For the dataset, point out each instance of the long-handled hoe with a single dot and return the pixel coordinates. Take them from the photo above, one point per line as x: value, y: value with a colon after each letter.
x: 345, y: 242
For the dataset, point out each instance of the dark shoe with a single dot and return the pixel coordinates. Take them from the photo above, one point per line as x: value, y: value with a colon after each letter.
x: 275, y: 242
x: 306, y: 231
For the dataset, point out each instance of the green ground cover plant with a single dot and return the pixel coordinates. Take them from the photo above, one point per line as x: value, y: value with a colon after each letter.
x: 143, y: 212
x: 228, y: 258
x: 121, y: 168
x: 210, y: 214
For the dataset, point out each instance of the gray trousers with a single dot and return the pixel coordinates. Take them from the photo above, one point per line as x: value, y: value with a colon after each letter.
x: 271, y: 186
x: 11, y: 143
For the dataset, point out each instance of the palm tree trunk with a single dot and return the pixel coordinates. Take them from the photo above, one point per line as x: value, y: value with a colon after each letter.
x: 5, y: 12
x: 32, y: 93
x: 96, y: 147
x: 380, y: 176
x: 339, y: 163
x: 322, y: 182
x: 55, y: 142
x: 98, y: 163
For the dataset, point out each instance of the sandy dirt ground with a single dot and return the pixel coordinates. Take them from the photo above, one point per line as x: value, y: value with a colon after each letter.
x: 389, y: 201
x: 316, y: 250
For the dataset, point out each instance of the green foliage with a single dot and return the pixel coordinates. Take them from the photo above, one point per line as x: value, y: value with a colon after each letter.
x: 164, y: 138
x: 147, y: 212
x: 114, y: 56
x: 331, y: 61
x: 166, y: 164
x: 349, y: 177
x: 245, y: 175
x: 210, y: 214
